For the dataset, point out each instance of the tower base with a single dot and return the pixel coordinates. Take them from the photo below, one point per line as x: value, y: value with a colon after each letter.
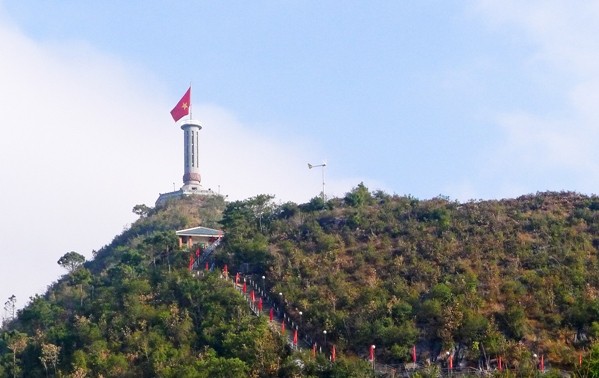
x: 185, y: 191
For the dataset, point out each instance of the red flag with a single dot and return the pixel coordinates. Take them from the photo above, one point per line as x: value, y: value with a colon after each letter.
x: 182, y: 108
x: 270, y: 314
x: 500, y: 367
x: 283, y: 327
x: 191, y: 261
x: 198, y: 252
x: 542, y: 363
x: 253, y: 296
x: 333, y: 354
x: 372, y: 352
x: 245, y: 288
x: 226, y: 271
x: 314, y: 350
x: 295, y: 337
x: 414, y: 354
x: 579, y: 359
x: 451, y: 362
x: 260, y: 304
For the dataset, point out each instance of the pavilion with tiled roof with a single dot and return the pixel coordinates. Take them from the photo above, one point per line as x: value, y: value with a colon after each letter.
x: 198, y: 235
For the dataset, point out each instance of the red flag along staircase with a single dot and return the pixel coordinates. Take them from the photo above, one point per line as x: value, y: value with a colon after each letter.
x: 279, y: 321
x: 202, y: 256
x: 260, y: 304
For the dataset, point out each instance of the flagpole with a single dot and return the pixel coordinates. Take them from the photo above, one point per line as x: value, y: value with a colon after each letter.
x: 190, y: 106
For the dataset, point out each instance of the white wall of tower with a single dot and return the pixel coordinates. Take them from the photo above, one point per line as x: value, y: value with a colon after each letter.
x: 191, y: 148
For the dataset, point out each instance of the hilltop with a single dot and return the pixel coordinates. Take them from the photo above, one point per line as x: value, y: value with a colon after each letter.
x: 476, y: 281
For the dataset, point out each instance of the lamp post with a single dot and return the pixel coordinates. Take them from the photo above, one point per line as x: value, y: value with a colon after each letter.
x: 325, y: 338
x: 300, y: 314
x: 263, y: 285
x: 310, y: 166
x: 280, y: 303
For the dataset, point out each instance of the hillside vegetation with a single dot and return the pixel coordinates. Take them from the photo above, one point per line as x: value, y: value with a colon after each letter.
x: 513, y: 278
x: 482, y: 279
x: 137, y: 311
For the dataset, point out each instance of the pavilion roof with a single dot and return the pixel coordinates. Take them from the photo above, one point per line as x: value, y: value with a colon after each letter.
x: 200, y: 231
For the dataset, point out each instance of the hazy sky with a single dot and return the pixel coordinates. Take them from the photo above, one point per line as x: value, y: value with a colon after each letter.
x: 468, y: 99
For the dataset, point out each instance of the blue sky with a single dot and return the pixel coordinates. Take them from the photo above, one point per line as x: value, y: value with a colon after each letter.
x: 468, y: 99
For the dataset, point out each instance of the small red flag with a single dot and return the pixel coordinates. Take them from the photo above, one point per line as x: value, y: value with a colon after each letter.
x: 451, y: 362
x: 260, y: 304
x: 182, y: 108
x: 253, y: 296
x: 372, y: 352
x: 542, y: 363
x: 500, y: 367
x: 270, y: 314
x: 295, y: 337
x: 198, y: 252
x: 314, y: 350
x: 414, y: 354
x: 191, y: 261
x: 245, y: 288
x: 333, y: 354
x: 283, y: 327
x: 579, y: 359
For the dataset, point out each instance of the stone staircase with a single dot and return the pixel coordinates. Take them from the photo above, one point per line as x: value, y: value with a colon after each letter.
x: 303, y: 341
x: 278, y: 320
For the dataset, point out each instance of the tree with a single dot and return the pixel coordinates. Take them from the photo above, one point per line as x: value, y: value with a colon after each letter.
x: 249, y: 216
x: 162, y: 242
x: 49, y: 356
x: 81, y: 277
x: 71, y: 261
x: 141, y: 210
x: 262, y: 207
x: 359, y: 196
x: 211, y: 365
x: 16, y: 342
x: 10, y: 307
x: 315, y: 204
x: 590, y: 368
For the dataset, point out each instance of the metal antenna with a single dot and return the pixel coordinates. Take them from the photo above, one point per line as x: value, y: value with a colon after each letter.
x: 310, y: 166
